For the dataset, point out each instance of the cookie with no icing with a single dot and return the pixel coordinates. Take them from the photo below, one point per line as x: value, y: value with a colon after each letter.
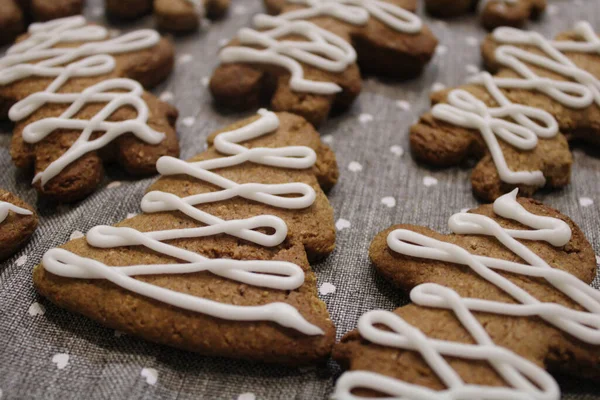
x: 170, y: 15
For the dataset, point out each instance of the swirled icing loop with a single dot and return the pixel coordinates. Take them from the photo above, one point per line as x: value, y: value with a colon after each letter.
x: 36, y: 57
x: 6, y: 207
x: 270, y: 274
x: 321, y: 48
x: 526, y: 124
x: 525, y: 380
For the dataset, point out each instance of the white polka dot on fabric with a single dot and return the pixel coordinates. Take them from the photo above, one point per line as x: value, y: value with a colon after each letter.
x: 131, y: 215
x: 585, y: 201
x: 240, y: 9
x: 365, y: 118
x: 327, y: 139
x: 355, y: 166
x: 166, y: 97
x: 552, y: 9
x: 342, y: 224
x: 150, y: 374
x: 246, y: 396
x: 397, y: 150
x: 327, y: 288
x: 441, y: 50
x: 97, y: 12
x: 437, y: 87
x: 61, y: 360
x: 429, y: 181
x: 389, y: 201
x: 205, y: 81
x: 223, y: 42
x: 205, y: 24
x: 36, y: 309
x: 188, y: 121
x: 185, y: 58
x: 441, y: 24
x: 403, y: 105
x: 472, y: 69
x: 113, y: 185
x: 471, y: 41
x: 76, y: 235
x: 21, y: 260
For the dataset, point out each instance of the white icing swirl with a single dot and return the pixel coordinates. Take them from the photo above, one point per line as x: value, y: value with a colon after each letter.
x: 6, y: 207
x: 36, y: 57
x: 581, y: 90
x: 358, y: 12
x: 525, y: 380
x: 270, y: 274
x: 321, y: 49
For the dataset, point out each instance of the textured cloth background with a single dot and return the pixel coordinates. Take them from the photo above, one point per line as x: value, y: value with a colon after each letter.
x: 49, y: 353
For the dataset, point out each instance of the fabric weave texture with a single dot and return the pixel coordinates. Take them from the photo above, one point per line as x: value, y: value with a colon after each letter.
x: 371, y: 143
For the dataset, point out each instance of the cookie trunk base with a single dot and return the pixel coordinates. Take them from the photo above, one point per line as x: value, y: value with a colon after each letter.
x: 163, y: 324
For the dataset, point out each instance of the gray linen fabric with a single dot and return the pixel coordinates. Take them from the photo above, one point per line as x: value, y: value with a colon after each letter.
x: 102, y: 364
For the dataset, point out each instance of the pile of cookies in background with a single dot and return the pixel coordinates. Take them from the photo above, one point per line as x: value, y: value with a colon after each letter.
x: 289, y: 247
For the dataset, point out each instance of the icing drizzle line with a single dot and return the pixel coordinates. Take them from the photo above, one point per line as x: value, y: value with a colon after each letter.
x: 526, y: 124
x: 321, y: 49
x: 270, y: 274
x: 6, y: 207
x: 36, y: 57
x: 525, y: 379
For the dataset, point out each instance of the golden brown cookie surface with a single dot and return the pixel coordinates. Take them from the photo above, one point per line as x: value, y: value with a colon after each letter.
x: 171, y: 15
x: 493, y: 13
x: 18, y: 221
x: 310, y: 235
x: 534, y: 151
x: 472, y: 312
x: 56, y: 136
x: 396, y: 45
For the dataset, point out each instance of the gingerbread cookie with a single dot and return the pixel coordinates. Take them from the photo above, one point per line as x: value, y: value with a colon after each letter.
x: 518, y: 121
x: 170, y: 15
x: 17, y: 223
x: 14, y: 14
x: 44, y: 10
x: 219, y: 261
x: 495, y: 304
x: 12, y: 21
x: 493, y: 13
x: 77, y: 99
x: 304, y: 60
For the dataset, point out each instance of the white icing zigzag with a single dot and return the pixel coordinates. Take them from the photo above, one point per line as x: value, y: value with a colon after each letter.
x: 581, y: 90
x: 270, y: 274
x: 321, y: 49
x: 36, y: 57
x: 525, y: 380
x: 5, y: 208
